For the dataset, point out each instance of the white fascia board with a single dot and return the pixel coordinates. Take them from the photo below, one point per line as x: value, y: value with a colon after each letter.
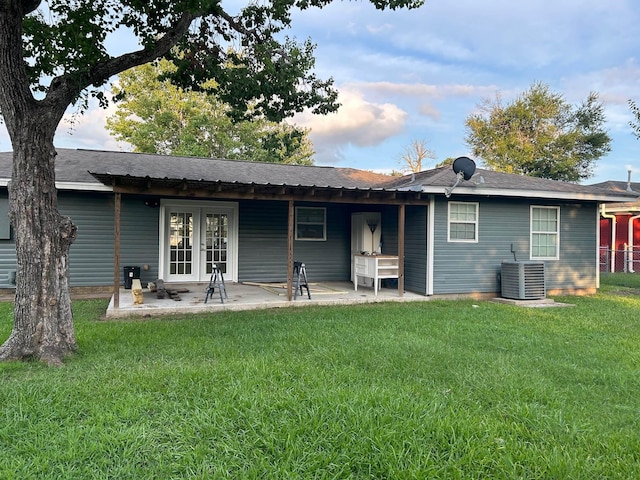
x: 498, y: 192
x: 78, y: 186
x: 95, y: 187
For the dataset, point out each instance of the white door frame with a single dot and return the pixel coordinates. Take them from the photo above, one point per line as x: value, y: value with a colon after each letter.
x: 198, y: 208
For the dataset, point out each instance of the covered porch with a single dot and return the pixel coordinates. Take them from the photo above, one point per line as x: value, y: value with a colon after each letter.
x: 250, y: 297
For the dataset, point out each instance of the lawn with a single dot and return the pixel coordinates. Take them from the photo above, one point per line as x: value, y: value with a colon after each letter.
x: 440, y: 389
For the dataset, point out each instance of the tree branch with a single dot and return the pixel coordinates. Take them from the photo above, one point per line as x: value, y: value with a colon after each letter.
x: 69, y: 86
x: 28, y: 6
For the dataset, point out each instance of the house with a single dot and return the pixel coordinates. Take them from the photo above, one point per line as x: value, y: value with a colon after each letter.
x: 620, y: 230
x: 177, y: 216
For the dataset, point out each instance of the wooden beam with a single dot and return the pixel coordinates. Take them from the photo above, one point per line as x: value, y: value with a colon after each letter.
x: 290, y: 252
x: 328, y: 196
x: 401, y: 217
x: 116, y: 252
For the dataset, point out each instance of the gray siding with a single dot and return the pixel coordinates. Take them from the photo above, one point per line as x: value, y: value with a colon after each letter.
x: 474, y: 267
x: 578, y: 249
x: 262, y: 241
x: 262, y: 255
x: 7, y: 248
x: 389, y: 230
x: 139, y: 242
x: 91, y: 255
x: 458, y: 267
x: 415, y: 249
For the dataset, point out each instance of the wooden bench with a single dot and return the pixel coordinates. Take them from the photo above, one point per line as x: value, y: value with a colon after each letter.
x: 136, y: 291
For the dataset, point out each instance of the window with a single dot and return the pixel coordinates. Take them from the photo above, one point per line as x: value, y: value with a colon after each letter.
x: 5, y: 227
x: 545, y: 233
x: 463, y: 222
x: 311, y: 223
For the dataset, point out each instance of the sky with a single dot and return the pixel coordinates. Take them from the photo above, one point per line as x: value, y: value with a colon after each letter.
x: 416, y: 75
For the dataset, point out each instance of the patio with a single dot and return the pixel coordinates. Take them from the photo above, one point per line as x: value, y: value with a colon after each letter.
x: 250, y: 297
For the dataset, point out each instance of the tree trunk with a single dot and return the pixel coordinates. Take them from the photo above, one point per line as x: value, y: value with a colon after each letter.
x: 43, y: 322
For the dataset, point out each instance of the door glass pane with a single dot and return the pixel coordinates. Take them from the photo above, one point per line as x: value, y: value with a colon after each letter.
x: 180, y: 242
x: 216, y: 241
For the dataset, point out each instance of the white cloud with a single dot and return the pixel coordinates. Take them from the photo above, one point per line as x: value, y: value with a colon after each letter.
x: 358, y: 122
x: 80, y: 130
x: 88, y: 130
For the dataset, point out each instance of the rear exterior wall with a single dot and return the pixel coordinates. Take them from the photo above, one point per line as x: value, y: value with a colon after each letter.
x: 503, y: 225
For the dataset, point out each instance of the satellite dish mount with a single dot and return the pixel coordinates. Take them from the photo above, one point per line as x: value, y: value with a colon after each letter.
x: 464, y: 169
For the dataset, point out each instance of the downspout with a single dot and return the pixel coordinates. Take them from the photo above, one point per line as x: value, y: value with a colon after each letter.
x: 604, y: 214
x: 630, y: 242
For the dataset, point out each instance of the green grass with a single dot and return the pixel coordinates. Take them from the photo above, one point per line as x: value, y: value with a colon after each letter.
x: 630, y: 280
x: 418, y: 390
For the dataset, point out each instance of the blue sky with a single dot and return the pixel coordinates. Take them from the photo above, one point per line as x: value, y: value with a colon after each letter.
x: 417, y: 75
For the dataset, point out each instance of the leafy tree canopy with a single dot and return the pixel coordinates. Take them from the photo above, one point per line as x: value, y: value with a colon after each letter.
x: 56, y: 53
x: 635, y: 125
x: 446, y: 161
x: 66, y: 42
x: 158, y: 117
x: 540, y: 134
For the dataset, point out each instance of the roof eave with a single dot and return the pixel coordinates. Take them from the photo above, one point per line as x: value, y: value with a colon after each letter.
x: 78, y: 186
x: 546, y: 194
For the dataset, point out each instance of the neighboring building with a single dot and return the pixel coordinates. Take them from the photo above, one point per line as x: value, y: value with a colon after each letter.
x: 620, y: 230
x: 178, y: 215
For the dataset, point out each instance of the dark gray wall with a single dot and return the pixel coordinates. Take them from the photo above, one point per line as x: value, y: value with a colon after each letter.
x: 262, y: 255
x: 458, y: 267
x: 474, y: 267
x: 415, y: 249
x: 7, y: 247
x: 91, y: 255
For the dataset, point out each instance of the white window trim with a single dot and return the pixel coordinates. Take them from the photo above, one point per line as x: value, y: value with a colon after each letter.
x: 324, y: 226
x: 531, y: 232
x: 476, y: 222
x: 232, y: 209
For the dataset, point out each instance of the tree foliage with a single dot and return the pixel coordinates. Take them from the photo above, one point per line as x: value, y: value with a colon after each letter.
x: 540, y: 134
x: 414, y: 156
x: 635, y: 124
x: 56, y: 53
x: 156, y: 116
x: 446, y: 161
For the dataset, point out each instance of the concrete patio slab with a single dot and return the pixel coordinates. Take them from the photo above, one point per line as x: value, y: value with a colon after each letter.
x: 250, y: 297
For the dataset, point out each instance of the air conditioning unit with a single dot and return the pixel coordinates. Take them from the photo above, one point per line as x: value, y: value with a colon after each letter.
x: 523, y: 280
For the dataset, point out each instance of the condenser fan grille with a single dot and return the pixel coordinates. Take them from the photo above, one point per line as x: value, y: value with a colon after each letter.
x: 523, y: 280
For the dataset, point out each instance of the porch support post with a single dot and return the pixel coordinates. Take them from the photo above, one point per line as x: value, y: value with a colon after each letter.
x: 116, y: 252
x: 290, y: 253
x: 401, y: 215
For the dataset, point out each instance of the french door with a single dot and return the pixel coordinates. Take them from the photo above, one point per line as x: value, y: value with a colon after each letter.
x: 195, y: 236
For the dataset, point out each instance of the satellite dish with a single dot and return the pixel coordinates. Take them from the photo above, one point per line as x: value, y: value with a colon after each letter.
x: 464, y: 166
x: 464, y: 169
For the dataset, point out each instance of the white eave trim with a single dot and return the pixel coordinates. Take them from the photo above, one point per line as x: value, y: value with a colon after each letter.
x: 96, y: 187
x: 500, y: 192
x: 79, y: 186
